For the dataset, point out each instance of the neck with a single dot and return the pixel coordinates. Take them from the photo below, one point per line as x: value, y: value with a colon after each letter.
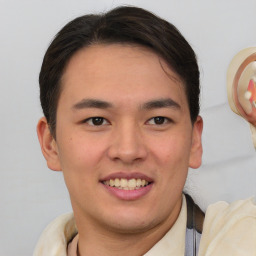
x: 99, y: 240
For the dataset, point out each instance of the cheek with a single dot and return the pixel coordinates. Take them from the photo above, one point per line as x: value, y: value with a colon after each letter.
x: 172, y: 150
x: 80, y: 154
x: 80, y: 162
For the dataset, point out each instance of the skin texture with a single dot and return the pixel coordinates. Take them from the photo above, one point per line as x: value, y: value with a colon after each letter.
x: 128, y: 142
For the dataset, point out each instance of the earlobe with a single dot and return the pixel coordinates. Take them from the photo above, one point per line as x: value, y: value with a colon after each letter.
x: 48, y: 145
x: 196, y: 146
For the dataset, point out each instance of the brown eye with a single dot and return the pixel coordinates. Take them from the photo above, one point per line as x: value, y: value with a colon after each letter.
x: 159, y: 120
x: 96, y: 121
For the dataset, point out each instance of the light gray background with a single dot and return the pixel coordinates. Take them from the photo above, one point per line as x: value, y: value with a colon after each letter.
x: 30, y: 194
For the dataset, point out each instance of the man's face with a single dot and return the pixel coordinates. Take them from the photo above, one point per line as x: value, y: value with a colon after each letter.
x: 124, y: 138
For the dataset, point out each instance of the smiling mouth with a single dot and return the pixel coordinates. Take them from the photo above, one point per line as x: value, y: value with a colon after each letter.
x: 126, y: 184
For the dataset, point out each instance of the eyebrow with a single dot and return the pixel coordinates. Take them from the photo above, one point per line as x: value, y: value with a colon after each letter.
x: 153, y: 104
x: 92, y: 103
x: 161, y: 103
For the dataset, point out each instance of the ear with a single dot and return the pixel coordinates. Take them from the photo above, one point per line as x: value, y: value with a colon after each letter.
x: 48, y: 145
x: 196, y: 151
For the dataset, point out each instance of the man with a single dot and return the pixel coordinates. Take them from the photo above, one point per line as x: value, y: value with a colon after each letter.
x: 120, y: 95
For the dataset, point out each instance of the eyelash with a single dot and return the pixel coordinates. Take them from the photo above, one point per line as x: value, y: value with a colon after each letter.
x: 156, y: 119
x: 99, y: 121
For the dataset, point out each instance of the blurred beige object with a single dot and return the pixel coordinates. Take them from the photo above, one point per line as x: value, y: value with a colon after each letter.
x: 241, y: 87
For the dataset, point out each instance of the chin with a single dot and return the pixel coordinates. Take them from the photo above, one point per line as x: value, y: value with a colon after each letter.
x: 131, y: 226
x: 132, y: 221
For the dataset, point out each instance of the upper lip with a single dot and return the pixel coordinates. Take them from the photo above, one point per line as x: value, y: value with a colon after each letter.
x: 128, y: 176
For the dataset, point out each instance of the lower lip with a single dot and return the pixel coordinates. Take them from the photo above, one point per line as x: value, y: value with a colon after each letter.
x: 129, y: 195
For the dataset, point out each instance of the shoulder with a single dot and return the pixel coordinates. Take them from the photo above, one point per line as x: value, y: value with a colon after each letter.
x: 229, y: 229
x: 54, y: 239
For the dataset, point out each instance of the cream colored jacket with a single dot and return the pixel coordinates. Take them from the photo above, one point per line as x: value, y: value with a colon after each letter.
x: 229, y: 230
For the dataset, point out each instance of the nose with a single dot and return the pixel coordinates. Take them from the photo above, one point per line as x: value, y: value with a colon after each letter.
x: 127, y: 144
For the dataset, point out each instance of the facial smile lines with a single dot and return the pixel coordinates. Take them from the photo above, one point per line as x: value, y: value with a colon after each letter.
x: 126, y: 184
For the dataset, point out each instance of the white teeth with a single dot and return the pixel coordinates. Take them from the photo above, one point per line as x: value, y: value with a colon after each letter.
x: 126, y: 184
x: 123, y: 183
x: 138, y: 182
x: 132, y: 183
x: 117, y: 183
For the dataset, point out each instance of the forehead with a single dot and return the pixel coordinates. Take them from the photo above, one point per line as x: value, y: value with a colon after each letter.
x: 124, y: 71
